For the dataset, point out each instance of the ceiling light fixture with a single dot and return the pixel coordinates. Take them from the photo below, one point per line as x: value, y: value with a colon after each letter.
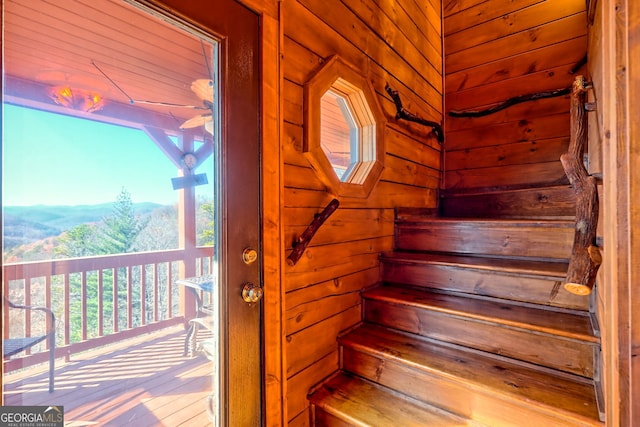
x: 76, y: 99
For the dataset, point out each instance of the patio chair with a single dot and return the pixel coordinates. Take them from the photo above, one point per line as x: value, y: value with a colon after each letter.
x: 12, y: 346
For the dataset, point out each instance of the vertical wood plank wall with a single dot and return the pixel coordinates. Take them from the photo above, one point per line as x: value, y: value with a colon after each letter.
x: 614, y: 64
x: 496, y: 50
x: 396, y: 43
x: 598, y: 75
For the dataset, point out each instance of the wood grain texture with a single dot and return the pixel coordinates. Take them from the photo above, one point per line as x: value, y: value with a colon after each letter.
x: 506, y: 22
x: 271, y: 178
x: 585, y: 258
x: 387, y: 42
x: 361, y: 402
x: 488, y: 237
x: 516, y: 280
x: 560, y: 341
x: 298, y: 386
x: 547, y: 202
x: 499, y: 50
x: 615, y: 66
x: 310, y: 345
x: 446, y: 376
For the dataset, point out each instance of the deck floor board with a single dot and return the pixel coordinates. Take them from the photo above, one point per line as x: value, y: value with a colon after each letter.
x: 146, y: 382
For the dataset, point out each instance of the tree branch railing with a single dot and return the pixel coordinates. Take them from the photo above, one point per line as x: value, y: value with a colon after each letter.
x: 402, y: 113
x: 585, y: 257
x: 510, y: 102
x: 300, y: 244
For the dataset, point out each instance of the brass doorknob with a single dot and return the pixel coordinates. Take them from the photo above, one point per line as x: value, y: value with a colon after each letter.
x: 252, y: 293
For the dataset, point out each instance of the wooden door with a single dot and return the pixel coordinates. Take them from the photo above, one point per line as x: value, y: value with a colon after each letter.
x: 237, y: 171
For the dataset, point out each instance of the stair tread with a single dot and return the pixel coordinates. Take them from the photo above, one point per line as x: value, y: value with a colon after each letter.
x: 559, y: 323
x: 509, y: 265
x: 571, y: 396
x: 363, y: 403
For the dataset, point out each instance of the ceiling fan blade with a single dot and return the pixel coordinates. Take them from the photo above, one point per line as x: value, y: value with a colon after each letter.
x: 196, y: 121
x: 203, y: 119
x: 203, y: 88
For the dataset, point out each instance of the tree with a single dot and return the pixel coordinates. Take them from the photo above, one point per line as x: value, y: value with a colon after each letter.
x: 119, y: 231
x: 206, y: 235
x: 78, y: 242
x: 161, y: 231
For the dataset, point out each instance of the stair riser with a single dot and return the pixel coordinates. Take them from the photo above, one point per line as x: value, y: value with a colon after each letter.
x: 539, y: 202
x: 487, y: 239
x: 474, y: 403
x: 567, y: 355
x: 482, y: 282
x: 324, y: 419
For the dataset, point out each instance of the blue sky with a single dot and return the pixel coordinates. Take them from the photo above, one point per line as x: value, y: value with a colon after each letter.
x: 52, y: 159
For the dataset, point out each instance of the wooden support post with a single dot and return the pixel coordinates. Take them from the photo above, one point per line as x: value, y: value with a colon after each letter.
x: 585, y: 257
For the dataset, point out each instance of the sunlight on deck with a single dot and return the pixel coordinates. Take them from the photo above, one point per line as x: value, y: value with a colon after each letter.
x: 147, y: 381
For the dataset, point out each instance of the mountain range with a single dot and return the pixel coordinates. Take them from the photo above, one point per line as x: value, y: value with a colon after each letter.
x: 27, y: 224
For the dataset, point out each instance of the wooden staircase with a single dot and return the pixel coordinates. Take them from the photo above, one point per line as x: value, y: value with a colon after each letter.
x: 471, y: 326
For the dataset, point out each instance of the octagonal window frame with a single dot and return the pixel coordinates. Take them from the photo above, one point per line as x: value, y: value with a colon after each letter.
x: 341, y: 78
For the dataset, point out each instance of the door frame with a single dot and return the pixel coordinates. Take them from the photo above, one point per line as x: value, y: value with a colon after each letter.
x: 270, y: 82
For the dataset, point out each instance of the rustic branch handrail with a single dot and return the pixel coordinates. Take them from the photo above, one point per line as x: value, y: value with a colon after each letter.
x: 402, y: 113
x: 300, y: 244
x: 511, y: 101
x: 585, y: 257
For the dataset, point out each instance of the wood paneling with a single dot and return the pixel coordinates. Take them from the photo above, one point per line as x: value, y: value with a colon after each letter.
x: 389, y: 42
x: 496, y: 50
x: 299, y: 385
x: 615, y: 68
x: 147, y: 61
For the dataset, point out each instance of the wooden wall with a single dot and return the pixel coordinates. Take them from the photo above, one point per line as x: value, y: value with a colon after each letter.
x: 614, y: 66
x: 496, y: 50
x: 390, y: 42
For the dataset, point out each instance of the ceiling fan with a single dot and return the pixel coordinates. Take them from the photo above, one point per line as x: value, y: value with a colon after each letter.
x: 203, y: 88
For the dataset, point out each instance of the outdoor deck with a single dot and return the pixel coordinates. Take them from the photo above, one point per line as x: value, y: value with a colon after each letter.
x: 145, y: 381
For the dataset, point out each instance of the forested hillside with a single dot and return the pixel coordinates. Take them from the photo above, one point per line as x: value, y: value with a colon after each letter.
x: 26, y: 225
x: 46, y: 232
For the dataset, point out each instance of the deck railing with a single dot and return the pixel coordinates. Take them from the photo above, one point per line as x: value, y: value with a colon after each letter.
x: 98, y: 300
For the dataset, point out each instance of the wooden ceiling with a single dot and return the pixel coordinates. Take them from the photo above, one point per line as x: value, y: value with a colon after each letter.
x: 47, y: 43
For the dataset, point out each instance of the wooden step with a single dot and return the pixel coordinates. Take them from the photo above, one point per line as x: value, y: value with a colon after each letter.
x: 346, y: 400
x: 504, y: 237
x: 489, y: 389
x: 559, y: 340
x: 545, y: 202
x: 538, y: 282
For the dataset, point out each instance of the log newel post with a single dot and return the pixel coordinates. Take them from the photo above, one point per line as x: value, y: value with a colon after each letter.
x: 585, y: 256
x: 300, y: 244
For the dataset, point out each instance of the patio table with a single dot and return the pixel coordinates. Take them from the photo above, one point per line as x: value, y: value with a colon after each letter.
x: 204, y: 312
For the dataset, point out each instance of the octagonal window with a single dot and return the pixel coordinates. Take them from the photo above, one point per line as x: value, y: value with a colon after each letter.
x: 343, y: 129
x: 338, y: 133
